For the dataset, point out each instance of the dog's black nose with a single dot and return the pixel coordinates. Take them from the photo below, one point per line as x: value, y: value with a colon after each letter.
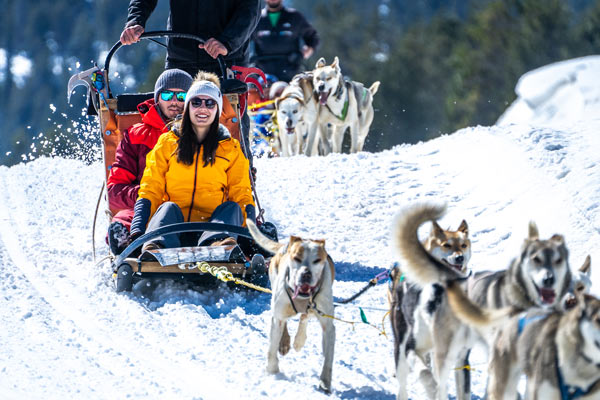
x: 289, y: 122
x: 321, y: 88
x: 460, y: 259
x: 548, y: 280
x: 306, y: 277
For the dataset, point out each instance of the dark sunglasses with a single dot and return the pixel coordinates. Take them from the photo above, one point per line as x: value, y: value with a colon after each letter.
x: 167, y: 95
x: 208, y: 103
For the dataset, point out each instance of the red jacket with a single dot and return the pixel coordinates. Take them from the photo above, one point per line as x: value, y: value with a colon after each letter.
x: 130, y: 157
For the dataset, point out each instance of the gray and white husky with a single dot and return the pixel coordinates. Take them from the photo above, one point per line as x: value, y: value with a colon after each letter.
x: 557, y: 349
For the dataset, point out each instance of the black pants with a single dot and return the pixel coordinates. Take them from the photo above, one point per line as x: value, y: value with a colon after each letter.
x: 169, y: 213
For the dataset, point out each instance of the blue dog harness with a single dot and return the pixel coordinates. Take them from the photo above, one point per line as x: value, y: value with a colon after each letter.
x: 567, y: 392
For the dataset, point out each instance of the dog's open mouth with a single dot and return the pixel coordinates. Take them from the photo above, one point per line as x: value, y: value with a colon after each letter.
x: 304, y: 290
x: 548, y: 295
x: 323, y: 96
x: 570, y: 302
x: 457, y: 267
x: 290, y: 131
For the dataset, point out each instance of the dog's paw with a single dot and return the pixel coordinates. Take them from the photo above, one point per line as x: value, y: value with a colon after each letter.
x: 284, y: 344
x: 273, y: 369
x: 299, y: 341
x: 324, y: 387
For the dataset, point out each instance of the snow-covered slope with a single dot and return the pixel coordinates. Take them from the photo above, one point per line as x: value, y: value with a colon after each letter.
x: 557, y: 94
x: 66, y: 334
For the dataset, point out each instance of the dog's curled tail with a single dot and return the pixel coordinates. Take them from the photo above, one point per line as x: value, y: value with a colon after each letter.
x: 419, y: 265
x: 262, y: 240
x: 472, y: 314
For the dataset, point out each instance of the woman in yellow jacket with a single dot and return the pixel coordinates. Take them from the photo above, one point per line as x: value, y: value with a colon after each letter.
x: 196, y: 173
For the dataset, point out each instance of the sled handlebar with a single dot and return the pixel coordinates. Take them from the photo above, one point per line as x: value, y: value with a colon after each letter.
x: 158, y: 34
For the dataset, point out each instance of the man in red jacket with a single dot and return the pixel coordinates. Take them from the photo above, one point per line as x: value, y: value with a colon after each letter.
x: 130, y: 158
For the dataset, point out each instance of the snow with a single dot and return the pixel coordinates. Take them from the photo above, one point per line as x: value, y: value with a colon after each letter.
x: 557, y: 94
x: 67, y: 334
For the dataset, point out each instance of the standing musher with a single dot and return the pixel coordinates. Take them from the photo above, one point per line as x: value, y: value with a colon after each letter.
x: 278, y: 40
x: 227, y: 26
x: 130, y: 158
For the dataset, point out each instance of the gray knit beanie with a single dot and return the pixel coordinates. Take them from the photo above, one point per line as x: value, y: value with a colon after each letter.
x: 205, y: 88
x: 172, y: 79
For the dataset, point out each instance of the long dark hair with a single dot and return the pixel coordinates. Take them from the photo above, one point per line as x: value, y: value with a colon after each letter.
x: 188, y: 144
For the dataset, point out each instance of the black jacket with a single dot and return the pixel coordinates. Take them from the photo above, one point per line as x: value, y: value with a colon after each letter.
x: 229, y: 21
x: 277, y: 49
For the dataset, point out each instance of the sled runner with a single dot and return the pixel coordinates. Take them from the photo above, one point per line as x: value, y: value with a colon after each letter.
x: 115, y: 115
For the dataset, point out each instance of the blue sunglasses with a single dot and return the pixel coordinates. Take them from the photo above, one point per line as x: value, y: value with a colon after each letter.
x: 167, y: 95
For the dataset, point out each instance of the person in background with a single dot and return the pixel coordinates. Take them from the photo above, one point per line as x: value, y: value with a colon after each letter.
x: 200, y: 169
x: 278, y: 38
x: 226, y: 25
x: 130, y: 159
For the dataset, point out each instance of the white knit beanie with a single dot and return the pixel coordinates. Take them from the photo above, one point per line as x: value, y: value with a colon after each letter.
x: 205, y: 88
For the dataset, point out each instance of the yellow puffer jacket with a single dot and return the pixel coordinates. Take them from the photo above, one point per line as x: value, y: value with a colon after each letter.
x: 196, y: 189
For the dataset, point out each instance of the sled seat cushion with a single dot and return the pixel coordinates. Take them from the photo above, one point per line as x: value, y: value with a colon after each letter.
x: 128, y: 102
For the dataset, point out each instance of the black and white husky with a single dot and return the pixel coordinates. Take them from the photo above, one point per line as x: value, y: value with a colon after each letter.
x: 425, y: 330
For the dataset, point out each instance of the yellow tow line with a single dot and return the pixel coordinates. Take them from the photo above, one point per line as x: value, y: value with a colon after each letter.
x: 254, y: 106
x: 223, y: 274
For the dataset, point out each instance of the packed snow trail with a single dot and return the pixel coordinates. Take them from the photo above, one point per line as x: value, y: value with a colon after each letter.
x: 69, y: 335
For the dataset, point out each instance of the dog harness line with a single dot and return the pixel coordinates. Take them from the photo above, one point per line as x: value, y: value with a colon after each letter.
x: 338, y: 93
x: 523, y: 321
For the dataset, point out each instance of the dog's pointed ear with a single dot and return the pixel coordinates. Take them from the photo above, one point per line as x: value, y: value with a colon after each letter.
x: 436, y: 229
x: 463, y: 227
x: 294, y: 239
x: 587, y: 265
x: 320, y: 63
x: 558, y: 239
x: 336, y: 63
x: 321, y: 242
x: 533, y: 231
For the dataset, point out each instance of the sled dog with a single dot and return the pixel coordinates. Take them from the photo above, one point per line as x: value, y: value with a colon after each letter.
x: 297, y: 111
x: 301, y: 274
x: 538, y: 278
x: 343, y: 105
x: 558, y: 350
x: 423, y: 324
x: 581, y: 283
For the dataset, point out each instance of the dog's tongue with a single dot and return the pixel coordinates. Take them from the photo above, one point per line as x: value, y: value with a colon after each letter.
x: 303, y: 289
x: 323, y: 97
x: 548, y: 296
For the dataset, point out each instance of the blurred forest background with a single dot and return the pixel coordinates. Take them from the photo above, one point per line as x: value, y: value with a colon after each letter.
x: 443, y: 65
